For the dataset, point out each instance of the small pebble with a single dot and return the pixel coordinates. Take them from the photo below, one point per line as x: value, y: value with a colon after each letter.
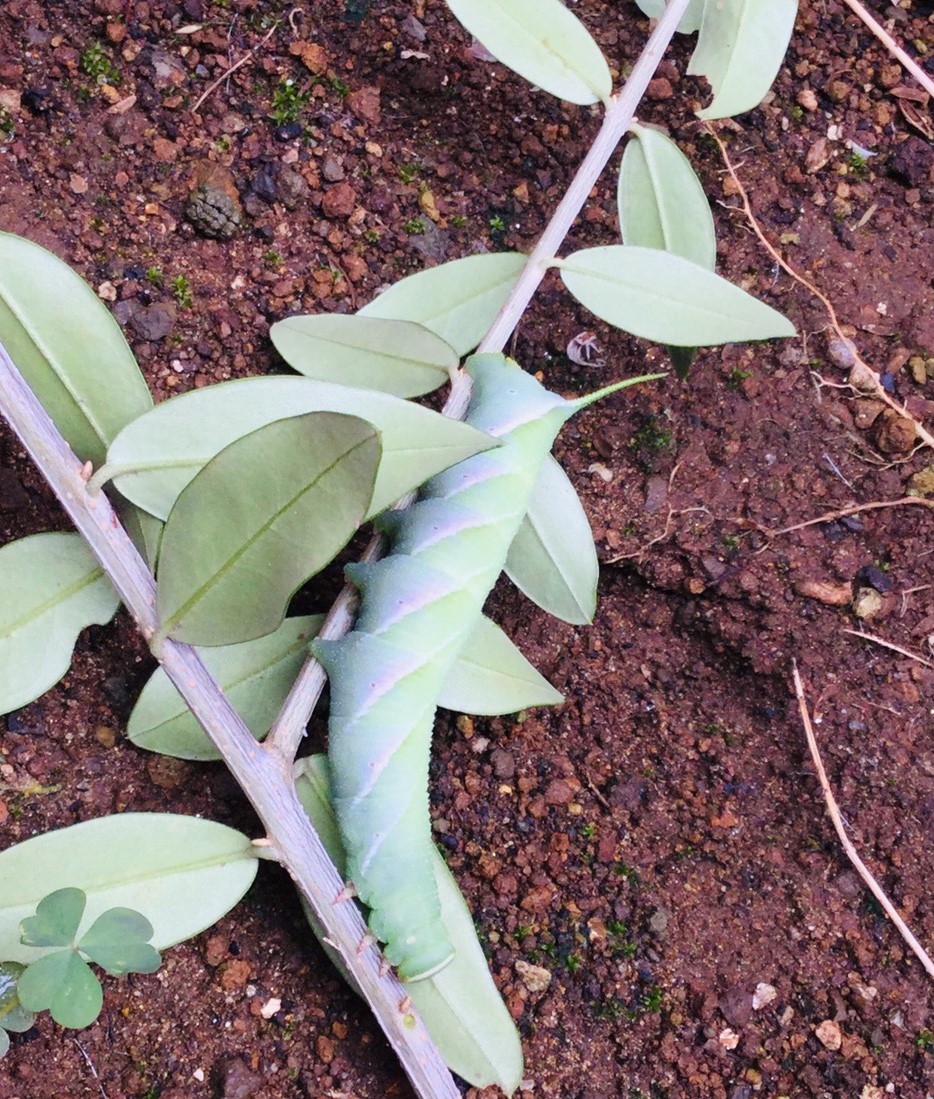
x: 235, y: 1080
x: 534, y: 977
x: 829, y: 1035
x: 728, y: 1038
x: 867, y: 603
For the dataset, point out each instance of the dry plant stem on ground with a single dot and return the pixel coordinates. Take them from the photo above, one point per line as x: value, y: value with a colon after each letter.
x: 848, y: 847
x: 855, y: 509
x: 237, y: 64
x: 891, y: 45
x: 862, y: 376
x: 289, y: 727
x: 890, y: 645
x: 262, y: 773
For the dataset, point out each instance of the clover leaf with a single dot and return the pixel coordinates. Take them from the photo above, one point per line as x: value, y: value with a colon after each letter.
x: 62, y: 982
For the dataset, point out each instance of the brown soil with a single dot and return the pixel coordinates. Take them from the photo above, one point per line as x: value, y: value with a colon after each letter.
x: 658, y: 844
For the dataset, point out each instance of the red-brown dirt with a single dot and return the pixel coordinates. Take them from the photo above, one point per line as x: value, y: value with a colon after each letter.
x: 658, y: 845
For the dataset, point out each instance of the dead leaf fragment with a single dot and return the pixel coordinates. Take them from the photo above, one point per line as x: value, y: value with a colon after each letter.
x: 917, y: 118
x: 818, y: 155
x: 426, y: 200
x: 824, y: 591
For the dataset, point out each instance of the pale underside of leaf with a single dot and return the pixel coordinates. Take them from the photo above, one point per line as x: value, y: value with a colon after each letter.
x: 740, y: 50
x: 690, y: 21
x: 256, y: 677
x: 662, y: 202
x: 263, y: 516
x: 460, y: 1006
x: 181, y: 873
x: 156, y: 456
x: 553, y: 560
x: 51, y: 588
x: 543, y: 42
x: 492, y: 677
x: 661, y: 297
x: 68, y: 348
x: 391, y: 356
x: 458, y: 301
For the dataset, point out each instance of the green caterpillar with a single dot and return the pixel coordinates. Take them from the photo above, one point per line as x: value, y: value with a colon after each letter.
x: 419, y: 606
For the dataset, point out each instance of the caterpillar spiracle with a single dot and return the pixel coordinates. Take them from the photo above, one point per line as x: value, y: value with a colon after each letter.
x: 419, y: 606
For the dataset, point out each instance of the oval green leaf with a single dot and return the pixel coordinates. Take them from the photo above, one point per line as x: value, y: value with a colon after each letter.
x: 667, y: 299
x: 68, y: 348
x: 492, y: 677
x: 396, y: 357
x: 256, y: 676
x: 553, y: 560
x: 461, y: 1006
x: 458, y: 301
x: 543, y: 42
x: 51, y: 588
x: 690, y: 21
x: 267, y: 513
x: 740, y: 49
x: 181, y: 873
x: 157, y: 455
x: 662, y: 202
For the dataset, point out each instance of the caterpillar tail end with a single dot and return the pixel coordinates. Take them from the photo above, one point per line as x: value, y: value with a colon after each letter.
x: 416, y: 952
x: 410, y: 972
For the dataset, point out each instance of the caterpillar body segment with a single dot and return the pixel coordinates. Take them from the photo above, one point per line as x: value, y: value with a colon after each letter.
x: 419, y: 608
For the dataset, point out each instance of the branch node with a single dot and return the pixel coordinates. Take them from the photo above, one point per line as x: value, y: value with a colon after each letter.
x: 347, y: 893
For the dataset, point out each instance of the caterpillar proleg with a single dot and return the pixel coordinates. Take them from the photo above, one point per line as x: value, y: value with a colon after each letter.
x: 419, y: 606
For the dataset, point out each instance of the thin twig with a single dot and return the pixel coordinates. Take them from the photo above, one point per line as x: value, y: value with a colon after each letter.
x: 263, y: 776
x: 236, y: 65
x: 866, y: 377
x: 891, y: 45
x: 848, y: 847
x: 90, y: 1064
x: 855, y: 509
x: 288, y: 730
x: 890, y: 645
x: 616, y: 122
